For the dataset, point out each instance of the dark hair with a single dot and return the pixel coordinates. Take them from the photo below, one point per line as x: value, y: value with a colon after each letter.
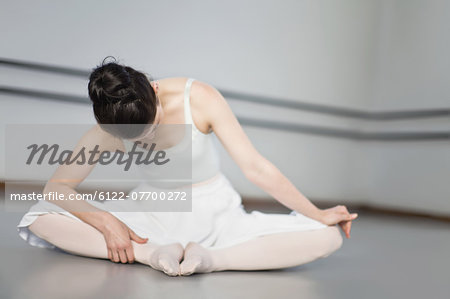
x: 122, y: 96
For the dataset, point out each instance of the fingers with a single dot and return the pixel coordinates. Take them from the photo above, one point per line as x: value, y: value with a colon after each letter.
x: 352, y: 216
x: 136, y: 238
x: 346, y: 227
x: 110, y: 256
x: 346, y: 222
x: 130, y: 254
x: 121, y: 250
x: 123, y: 256
x: 115, y: 256
x: 343, y: 210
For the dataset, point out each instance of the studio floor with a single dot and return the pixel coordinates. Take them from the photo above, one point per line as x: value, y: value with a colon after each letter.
x: 386, y: 257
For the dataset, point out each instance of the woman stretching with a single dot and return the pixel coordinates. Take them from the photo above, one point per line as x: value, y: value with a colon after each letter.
x: 218, y: 234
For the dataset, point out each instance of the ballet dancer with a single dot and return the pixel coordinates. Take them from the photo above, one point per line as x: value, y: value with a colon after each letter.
x: 218, y: 234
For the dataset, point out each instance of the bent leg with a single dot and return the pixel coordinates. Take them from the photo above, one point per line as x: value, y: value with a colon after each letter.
x: 272, y: 251
x: 82, y: 239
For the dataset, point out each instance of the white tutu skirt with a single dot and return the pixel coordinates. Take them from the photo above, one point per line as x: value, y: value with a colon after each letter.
x: 217, y: 220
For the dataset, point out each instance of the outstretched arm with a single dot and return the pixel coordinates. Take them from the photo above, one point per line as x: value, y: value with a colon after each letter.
x: 256, y: 168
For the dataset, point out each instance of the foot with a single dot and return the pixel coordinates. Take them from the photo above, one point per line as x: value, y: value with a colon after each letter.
x: 166, y: 258
x: 197, y: 259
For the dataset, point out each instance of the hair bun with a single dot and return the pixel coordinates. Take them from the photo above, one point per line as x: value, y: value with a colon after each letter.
x: 111, y: 83
x: 121, y: 95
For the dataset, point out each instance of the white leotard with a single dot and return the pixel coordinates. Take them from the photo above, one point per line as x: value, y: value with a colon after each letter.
x: 205, y: 159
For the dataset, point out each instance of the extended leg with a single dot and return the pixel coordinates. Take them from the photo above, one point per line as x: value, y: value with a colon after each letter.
x: 272, y: 251
x: 80, y: 238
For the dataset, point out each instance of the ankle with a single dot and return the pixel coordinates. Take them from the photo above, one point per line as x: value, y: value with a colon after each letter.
x: 218, y: 260
x: 143, y: 252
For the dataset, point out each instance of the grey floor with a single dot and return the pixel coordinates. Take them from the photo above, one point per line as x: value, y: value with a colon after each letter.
x: 386, y: 257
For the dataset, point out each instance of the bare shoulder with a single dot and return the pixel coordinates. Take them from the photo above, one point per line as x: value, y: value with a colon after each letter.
x: 206, y: 102
x: 203, y: 89
x: 205, y: 99
x: 205, y: 96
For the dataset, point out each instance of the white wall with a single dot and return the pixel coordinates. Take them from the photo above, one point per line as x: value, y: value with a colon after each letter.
x: 378, y: 55
x: 308, y: 50
x: 412, y: 65
x: 412, y: 72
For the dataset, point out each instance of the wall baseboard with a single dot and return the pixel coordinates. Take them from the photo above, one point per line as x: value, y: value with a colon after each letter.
x: 274, y: 206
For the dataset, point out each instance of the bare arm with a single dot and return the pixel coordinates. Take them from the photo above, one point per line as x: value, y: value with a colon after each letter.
x: 67, y: 177
x: 257, y: 169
